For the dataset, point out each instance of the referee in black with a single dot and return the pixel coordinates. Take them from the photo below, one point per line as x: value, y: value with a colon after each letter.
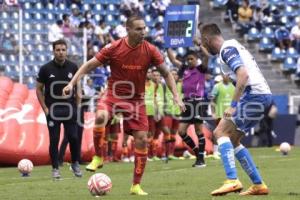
x: 51, y: 80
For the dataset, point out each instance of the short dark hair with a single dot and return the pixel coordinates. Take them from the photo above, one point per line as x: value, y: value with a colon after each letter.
x: 65, y: 17
x: 58, y: 42
x: 210, y: 30
x: 192, y: 53
x: 133, y: 18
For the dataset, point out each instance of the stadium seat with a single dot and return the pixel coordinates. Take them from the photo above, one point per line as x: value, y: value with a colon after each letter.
x: 277, y: 3
x: 253, y: 35
x: 289, y: 65
x: 286, y: 21
x: 293, y: 3
x: 216, y: 4
x: 292, y: 52
x: 265, y: 45
x: 97, y: 8
x: 289, y: 11
x: 111, y: 9
x: 27, y: 6
x: 86, y: 7
x: 267, y: 32
x: 149, y: 21
x: 277, y: 55
x: 15, y: 15
x: 4, y: 15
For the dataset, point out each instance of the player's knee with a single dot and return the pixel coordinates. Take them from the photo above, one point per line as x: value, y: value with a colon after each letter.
x: 101, y: 119
x: 141, y: 140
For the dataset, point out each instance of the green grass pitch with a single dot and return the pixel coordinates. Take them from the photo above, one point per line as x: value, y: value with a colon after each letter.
x: 176, y: 180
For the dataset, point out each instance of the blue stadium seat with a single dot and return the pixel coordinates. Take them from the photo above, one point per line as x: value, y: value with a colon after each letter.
x: 266, y: 45
x: 111, y: 9
x: 268, y: 33
x: 277, y: 3
x: 289, y: 65
x: 293, y: 3
x: 292, y: 52
x: 3, y: 60
x: 253, y: 35
x: 97, y: 8
x: 289, y: 11
x: 277, y: 55
x: 287, y: 21
x: 149, y: 21
x: 218, y: 3
x: 31, y: 83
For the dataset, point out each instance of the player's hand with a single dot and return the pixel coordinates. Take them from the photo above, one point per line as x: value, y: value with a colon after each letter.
x: 179, y: 102
x: 46, y: 111
x: 67, y: 90
x: 229, y: 112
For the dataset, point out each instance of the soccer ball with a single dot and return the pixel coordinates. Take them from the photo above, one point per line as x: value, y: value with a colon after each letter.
x: 25, y: 166
x: 285, y: 148
x: 99, y: 184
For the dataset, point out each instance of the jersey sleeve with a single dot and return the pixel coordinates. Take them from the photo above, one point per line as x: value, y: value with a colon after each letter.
x: 156, y: 57
x: 103, y: 56
x: 231, y: 57
x: 41, y: 77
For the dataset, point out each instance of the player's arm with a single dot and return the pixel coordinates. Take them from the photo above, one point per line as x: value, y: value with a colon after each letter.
x: 173, y: 59
x: 84, y: 69
x: 41, y: 97
x: 232, y: 58
x: 171, y: 84
x: 241, y: 82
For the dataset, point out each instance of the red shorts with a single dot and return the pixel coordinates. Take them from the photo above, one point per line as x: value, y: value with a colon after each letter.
x: 133, y: 111
x: 171, y: 122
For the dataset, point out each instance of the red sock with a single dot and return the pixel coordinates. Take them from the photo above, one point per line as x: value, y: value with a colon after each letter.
x: 114, y: 146
x: 154, y: 147
x: 99, y: 138
x: 139, y: 164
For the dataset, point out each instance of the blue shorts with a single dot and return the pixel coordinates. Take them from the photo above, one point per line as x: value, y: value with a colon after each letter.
x: 250, y: 110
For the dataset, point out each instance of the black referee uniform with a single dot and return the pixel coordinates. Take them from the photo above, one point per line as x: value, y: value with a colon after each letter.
x: 62, y: 110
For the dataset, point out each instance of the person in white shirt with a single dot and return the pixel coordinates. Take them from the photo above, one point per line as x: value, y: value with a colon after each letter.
x: 252, y: 97
x: 55, y: 31
x: 295, y: 36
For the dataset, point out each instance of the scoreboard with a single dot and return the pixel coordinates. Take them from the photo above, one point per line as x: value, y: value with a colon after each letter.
x: 180, y: 25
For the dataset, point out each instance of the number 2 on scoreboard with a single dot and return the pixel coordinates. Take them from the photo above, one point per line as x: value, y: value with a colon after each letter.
x: 189, y: 28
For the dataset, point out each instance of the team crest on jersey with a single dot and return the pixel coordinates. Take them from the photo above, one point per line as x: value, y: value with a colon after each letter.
x: 70, y: 75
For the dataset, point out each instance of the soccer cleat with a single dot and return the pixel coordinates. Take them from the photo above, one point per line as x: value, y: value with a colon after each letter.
x: 76, y: 169
x: 55, y: 174
x: 97, y: 162
x: 227, y: 187
x: 172, y: 157
x: 199, y: 163
x: 137, y: 190
x: 155, y: 158
x: 259, y: 189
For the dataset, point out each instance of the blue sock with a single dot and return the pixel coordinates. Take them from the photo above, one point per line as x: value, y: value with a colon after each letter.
x: 227, y: 155
x: 244, y: 157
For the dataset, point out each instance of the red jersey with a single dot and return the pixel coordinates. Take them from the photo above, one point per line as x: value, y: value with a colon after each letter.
x: 128, y: 66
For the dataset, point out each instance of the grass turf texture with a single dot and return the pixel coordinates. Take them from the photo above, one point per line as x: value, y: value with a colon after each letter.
x: 175, y: 180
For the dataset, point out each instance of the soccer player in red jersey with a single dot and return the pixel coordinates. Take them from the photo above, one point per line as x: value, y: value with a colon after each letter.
x: 129, y: 59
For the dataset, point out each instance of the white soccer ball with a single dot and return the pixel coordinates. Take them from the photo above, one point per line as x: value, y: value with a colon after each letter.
x: 25, y: 166
x: 99, y: 184
x: 285, y: 148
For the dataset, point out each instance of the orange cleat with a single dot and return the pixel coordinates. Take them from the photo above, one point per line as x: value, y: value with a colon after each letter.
x: 259, y: 189
x: 227, y: 187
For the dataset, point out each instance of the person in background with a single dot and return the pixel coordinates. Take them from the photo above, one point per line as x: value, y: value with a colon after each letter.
x: 59, y: 109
